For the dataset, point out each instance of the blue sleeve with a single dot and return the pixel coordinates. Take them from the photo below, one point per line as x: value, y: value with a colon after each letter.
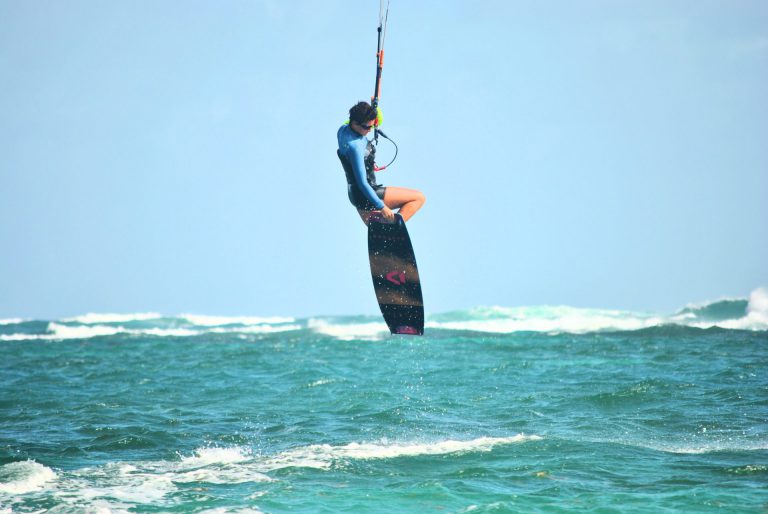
x: 358, y: 172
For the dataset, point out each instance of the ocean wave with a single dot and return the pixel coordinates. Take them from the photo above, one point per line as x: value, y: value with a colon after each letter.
x: 546, y: 319
x: 323, y: 456
x: 11, y: 321
x: 756, y: 315
x: 94, y: 318
x: 708, y: 447
x: 349, y: 331
x: 729, y: 314
x: 120, y: 486
x: 732, y: 314
x: 688, y: 445
x: 59, y: 332
x: 225, y: 510
x: 218, y: 321
x: 723, y: 309
x: 254, y: 329
x: 213, y: 455
x: 748, y: 469
x: 24, y: 477
x: 218, y: 466
x: 117, y: 486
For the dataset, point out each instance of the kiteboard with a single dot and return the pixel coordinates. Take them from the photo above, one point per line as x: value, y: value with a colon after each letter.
x: 395, y: 275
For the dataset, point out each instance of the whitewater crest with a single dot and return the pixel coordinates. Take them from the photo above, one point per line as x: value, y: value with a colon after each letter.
x: 24, y: 477
x: 94, y: 318
x: 756, y: 317
x: 323, y: 456
x: 349, y: 331
x: 120, y: 486
x: 730, y: 314
x: 165, y: 327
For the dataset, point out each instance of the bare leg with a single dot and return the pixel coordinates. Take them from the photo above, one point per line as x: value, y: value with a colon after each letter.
x: 407, y: 200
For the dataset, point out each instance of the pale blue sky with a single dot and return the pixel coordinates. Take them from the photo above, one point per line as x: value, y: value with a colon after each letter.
x: 180, y: 156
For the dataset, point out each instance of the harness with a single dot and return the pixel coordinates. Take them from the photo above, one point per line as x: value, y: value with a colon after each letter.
x: 370, y: 167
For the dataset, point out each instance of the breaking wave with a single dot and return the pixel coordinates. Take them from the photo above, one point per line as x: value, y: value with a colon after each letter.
x: 728, y: 314
x: 323, y: 456
x: 93, y: 318
x: 120, y: 486
x: 24, y: 477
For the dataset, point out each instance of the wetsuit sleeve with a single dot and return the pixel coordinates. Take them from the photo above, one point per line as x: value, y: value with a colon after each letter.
x: 359, y: 175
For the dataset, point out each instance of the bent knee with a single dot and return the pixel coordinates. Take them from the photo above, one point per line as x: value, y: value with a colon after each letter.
x: 420, y: 197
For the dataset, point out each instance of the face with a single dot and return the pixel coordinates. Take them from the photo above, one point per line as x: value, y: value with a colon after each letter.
x: 362, y: 128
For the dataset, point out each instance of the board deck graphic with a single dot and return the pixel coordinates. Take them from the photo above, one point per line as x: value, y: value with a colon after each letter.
x: 395, y: 275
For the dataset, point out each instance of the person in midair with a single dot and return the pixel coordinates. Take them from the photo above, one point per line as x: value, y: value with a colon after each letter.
x: 357, y: 155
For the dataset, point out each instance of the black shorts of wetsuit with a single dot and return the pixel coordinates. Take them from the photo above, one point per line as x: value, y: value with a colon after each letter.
x: 361, y: 202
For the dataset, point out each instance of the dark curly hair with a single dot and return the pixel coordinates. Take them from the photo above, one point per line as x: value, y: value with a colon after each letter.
x: 362, y: 112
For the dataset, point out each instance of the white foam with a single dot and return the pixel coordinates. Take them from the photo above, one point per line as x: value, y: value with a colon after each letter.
x: 24, y: 477
x: 579, y: 320
x: 58, y: 332
x: 93, y: 318
x: 80, y: 332
x: 708, y: 447
x: 322, y: 456
x: 216, y: 321
x: 224, y: 475
x: 550, y: 319
x: 114, y: 487
x: 690, y: 445
x: 348, y: 332
x: 164, y: 332
x: 225, y: 510
x: 756, y: 318
x: 322, y: 381
x: 208, y: 456
x: 216, y: 466
x: 11, y: 321
x: 18, y: 337
x: 255, y: 329
x: 118, y: 486
x: 544, y: 319
x: 61, y: 332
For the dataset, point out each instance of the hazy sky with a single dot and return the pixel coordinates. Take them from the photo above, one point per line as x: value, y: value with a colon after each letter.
x: 180, y: 156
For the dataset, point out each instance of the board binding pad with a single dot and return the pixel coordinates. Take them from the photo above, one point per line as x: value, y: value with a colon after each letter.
x: 395, y: 275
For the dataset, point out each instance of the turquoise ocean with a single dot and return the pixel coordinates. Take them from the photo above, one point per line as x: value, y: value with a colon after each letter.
x: 495, y: 409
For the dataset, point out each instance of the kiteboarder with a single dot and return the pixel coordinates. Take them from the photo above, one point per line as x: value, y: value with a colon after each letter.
x: 357, y: 154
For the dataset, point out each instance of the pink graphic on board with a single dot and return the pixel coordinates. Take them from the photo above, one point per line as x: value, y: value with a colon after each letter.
x: 396, y: 277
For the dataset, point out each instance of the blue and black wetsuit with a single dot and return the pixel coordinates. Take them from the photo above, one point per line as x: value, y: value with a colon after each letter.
x: 357, y: 155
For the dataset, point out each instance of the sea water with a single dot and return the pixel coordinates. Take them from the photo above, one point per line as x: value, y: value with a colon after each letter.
x: 534, y: 409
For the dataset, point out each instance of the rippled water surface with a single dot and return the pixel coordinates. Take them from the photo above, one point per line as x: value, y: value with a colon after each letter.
x: 145, y: 413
